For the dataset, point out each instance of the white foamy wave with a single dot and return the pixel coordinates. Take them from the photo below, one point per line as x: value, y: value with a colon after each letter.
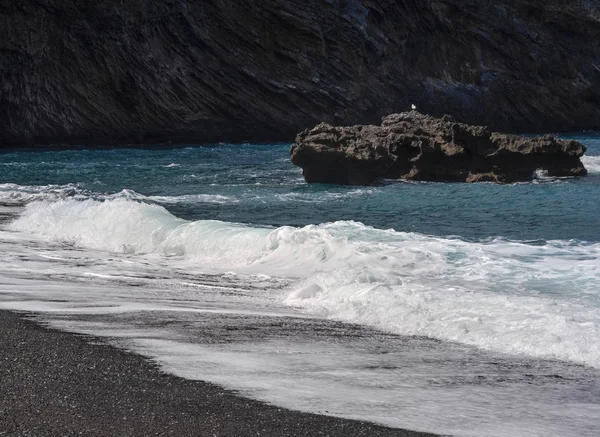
x: 14, y: 194
x: 130, y: 226
x: 537, y: 300
x: 541, y: 301
x: 591, y: 163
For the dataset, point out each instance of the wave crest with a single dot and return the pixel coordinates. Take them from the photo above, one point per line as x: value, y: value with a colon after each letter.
x: 591, y: 163
x: 537, y: 299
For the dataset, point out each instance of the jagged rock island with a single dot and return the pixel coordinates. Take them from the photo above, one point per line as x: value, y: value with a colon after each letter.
x: 414, y: 146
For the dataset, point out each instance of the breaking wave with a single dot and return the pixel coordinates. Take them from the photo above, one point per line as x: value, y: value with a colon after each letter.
x: 591, y: 163
x: 538, y: 298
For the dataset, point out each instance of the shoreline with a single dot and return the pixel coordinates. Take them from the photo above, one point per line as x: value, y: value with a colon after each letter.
x: 58, y: 383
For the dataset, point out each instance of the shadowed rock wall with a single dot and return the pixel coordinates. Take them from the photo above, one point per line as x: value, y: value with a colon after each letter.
x: 112, y: 71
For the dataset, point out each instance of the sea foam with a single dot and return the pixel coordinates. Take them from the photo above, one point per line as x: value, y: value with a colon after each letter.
x: 540, y: 299
x: 14, y: 194
x: 591, y: 163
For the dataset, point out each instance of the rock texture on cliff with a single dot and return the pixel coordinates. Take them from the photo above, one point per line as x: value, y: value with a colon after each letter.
x: 413, y: 146
x: 113, y: 71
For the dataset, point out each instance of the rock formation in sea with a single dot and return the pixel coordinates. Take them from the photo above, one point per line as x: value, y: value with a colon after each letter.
x: 115, y: 71
x: 414, y: 146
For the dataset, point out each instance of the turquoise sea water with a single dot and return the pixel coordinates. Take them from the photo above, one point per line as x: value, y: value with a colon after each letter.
x: 257, y: 184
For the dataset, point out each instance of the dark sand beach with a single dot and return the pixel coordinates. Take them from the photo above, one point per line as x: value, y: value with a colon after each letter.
x: 55, y: 383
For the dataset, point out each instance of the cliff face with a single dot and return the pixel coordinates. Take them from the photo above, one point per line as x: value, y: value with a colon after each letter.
x: 112, y: 71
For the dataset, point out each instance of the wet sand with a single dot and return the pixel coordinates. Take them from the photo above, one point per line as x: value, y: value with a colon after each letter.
x: 54, y: 383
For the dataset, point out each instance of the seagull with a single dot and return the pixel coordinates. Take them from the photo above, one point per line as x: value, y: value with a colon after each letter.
x: 414, y: 108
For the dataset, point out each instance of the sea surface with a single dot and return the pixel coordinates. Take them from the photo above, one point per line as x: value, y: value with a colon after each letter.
x: 462, y: 309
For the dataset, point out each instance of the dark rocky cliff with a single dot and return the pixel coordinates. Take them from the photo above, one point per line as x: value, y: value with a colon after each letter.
x: 113, y: 71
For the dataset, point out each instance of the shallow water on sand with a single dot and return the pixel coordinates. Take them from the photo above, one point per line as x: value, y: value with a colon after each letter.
x: 453, y: 308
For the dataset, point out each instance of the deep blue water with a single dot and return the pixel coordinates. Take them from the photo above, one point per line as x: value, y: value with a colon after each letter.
x: 259, y: 185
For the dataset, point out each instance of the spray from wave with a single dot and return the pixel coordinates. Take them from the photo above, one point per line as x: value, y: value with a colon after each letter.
x: 537, y: 299
x: 591, y: 163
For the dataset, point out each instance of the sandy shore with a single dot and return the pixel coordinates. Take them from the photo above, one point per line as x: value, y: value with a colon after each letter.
x: 56, y: 384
